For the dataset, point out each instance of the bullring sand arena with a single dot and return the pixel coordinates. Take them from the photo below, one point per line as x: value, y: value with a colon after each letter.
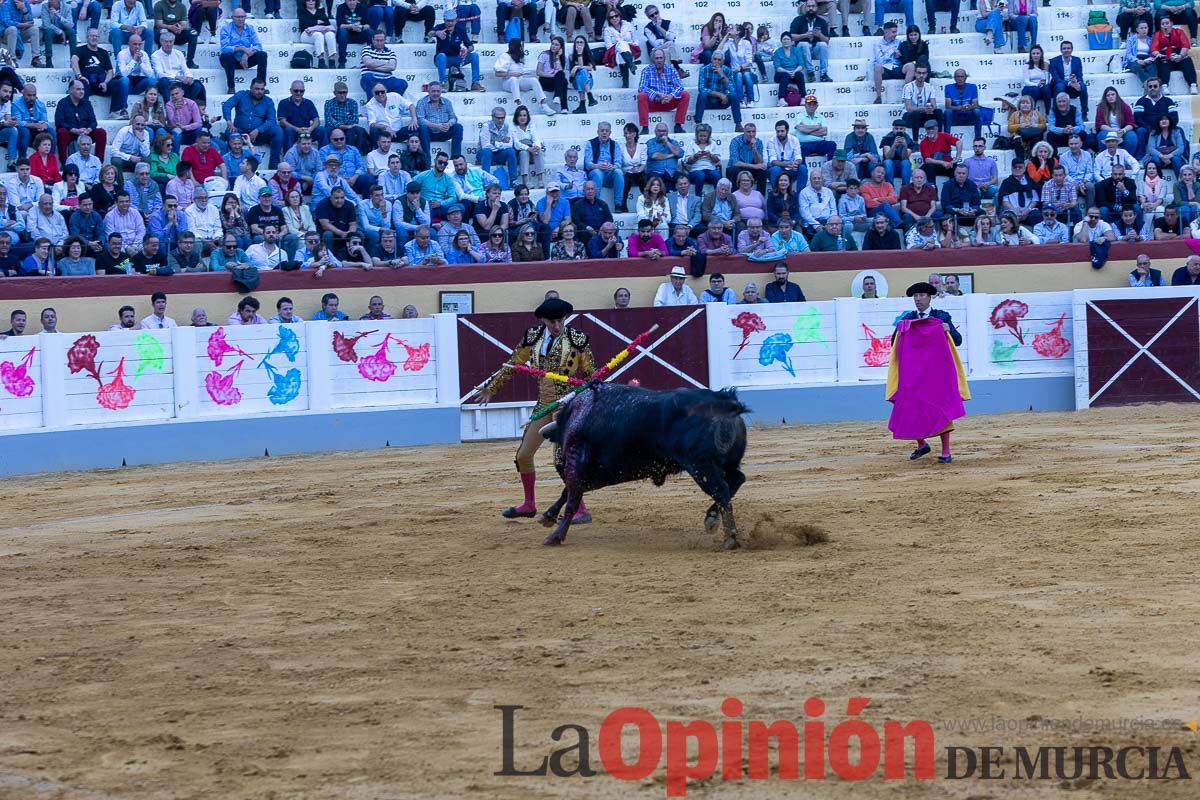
x: 342, y: 625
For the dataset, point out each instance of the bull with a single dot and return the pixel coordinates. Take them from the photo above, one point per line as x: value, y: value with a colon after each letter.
x: 612, y: 433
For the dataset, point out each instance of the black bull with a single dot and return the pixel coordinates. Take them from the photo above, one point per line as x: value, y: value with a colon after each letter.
x: 612, y: 433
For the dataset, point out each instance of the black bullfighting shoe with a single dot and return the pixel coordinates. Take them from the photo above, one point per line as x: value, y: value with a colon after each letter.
x: 920, y: 451
x: 516, y: 512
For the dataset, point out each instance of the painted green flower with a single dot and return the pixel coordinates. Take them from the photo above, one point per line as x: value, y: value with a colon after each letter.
x: 150, y: 354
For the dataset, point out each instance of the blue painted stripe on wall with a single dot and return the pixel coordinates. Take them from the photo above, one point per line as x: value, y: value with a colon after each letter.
x: 842, y: 403
x: 246, y: 437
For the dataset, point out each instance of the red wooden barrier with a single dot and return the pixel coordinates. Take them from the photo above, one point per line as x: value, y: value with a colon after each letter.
x: 1142, y: 351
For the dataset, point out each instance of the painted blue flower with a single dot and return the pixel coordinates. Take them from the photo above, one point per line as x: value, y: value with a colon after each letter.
x: 285, y: 386
x: 775, y: 348
x: 288, y: 345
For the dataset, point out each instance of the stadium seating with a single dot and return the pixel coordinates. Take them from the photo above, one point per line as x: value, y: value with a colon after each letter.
x: 848, y: 97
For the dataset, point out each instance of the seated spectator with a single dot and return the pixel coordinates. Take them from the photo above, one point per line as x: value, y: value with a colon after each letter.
x: 746, y: 155
x: 811, y: 35
x: 675, y: 292
x: 471, y: 183
x: 1137, y: 57
x: 852, y: 208
x: 716, y: 90
x: 834, y: 236
x: 388, y: 252
x: 1143, y: 274
x: 817, y: 204
x: 680, y: 244
x: 329, y: 311
x: 172, y: 69
x: 754, y: 241
x: 1050, y: 230
x: 39, y: 262
x: 317, y: 30
x: 787, y: 240
x: 715, y: 241
x: 913, y: 52
x: 618, y: 35
x: 570, y: 177
x: 341, y: 112
x: 1152, y: 189
x: 1171, y: 46
x: 495, y: 250
x: 247, y: 313
x: 837, y: 172
x: 112, y: 260
x: 75, y: 262
x: 660, y: 89
x: 436, y: 116
x: 721, y: 206
x: 920, y: 104
x: 240, y: 49
x: 378, y: 65
x: 1036, y: 78
x: 663, y: 155
x: 1116, y: 193
x: 454, y: 48
x: 1067, y: 74
x: 1167, y: 148
x: 10, y: 265
x: 750, y: 295
x: 784, y: 154
x: 683, y: 204
x: 158, y: 319
x: 923, y: 236
x: 860, y: 150
x: 552, y: 73
x: 31, y: 118
x: 496, y: 145
x: 879, y: 196
x: 1092, y: 228
x: 898, y: 148
x: 163, y: 161
x: 203, y: 158
x: 589, y: 213
x: 1026, y: 126
x: 885, y: 60
x: 492, y: 212
x: 782, y: 290
x: 452, y: 225
x: 253, y: 114
x: 1012, y: 233
x: 1063, y: 121
x: 1127, y: 228
x: 296, y: 114
x: 960, y: 197
x: 881, y: 236
x: 1115, y: 121
x: 1169, y: 226
x: 67, y: 192
x: 750, y: 203
x: 423, y: 251
x: 516, y: 76
x: 717, y: 291
x: 185, y: 257
x: 653, y: 204
x: 530, y: 148
x: 144, y: 194
x: 606, y: 245
x: 200, y: 319
x: 93, y: 65
x: 1188, y: 274
x: 74, y: 117
x: 551, y: 212
x: 43, y: 222
x: 962, y: 103
x: 336, y: 219
x: 526, y: 246
x: 782, y: 201
x: 87, y: 164
x: 229, y: 256
x: 204, y: 220
x: 150, y: 259
x: 603, y: 160
x: 789, y: 66
x: 1020, y: 195
x: 126, y: 221
x: 811, y: 131
x: 357, y: 256
x: 267, y: 254
x: 646, y: 243
x: 567, y: 248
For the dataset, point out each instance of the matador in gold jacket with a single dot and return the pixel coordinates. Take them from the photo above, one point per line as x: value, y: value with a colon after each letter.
x: 551, y: 346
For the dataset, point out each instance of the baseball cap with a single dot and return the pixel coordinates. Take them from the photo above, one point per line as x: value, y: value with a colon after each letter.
x: 839, y: 155
x: 812, y: 98
x: 554, y: 187
x: 264, y: 191
x: 450, y: 13
x: 930, y: 123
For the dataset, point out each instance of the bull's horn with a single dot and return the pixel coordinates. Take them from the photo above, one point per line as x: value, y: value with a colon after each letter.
x: 549, y: 430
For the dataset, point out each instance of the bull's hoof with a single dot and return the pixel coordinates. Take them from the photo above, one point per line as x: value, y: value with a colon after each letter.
x: 731, y: 544
x: 553, y: 540
x: 516, y: 512
x: 581, y: 518
x: 710, y: 520
x: 547, y: 520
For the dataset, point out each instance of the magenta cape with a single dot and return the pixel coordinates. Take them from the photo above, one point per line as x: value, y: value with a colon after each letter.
x: 926, y: 383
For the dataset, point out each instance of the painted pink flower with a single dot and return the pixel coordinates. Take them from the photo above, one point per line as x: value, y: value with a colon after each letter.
x: 116, y: 395
x: 343, y: 346
x: 15, y: 377
x: 218, y: 348
x: 82, y: 357
x: 220, y: 387
x: 377, y: 366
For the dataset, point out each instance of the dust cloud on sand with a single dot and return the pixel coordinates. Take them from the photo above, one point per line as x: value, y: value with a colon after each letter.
x: 343, y: 625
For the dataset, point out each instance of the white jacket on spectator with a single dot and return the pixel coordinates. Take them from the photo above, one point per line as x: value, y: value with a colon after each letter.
x: 620, y: 38
x: 396, y: 113
x: 205, y: 224
x: 172, y: 66
x: 127, y: 143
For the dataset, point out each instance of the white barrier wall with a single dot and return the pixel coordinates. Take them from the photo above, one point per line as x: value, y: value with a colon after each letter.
x: 55, y: 380
x: 848, y: 340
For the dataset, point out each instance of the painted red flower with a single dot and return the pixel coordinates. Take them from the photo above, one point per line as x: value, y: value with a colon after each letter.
x: 1052, y: 344
x: 1007, y: 314
x: 116, y: 395
x: 418, y: 356
x: 82, y: 357
x: 16, y: 378
x: 748, y: 322
x: 220, y: 387
x: 879, y: 351
x: 343, y: 346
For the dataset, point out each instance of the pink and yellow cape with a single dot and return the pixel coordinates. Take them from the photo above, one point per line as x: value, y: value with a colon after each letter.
x: 926, y: 383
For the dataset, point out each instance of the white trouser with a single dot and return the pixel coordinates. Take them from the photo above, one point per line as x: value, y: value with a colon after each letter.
x: 324, y: 45
x: 515, y: 86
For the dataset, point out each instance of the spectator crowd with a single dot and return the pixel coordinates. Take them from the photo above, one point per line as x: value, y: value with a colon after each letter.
x: 386, y: 183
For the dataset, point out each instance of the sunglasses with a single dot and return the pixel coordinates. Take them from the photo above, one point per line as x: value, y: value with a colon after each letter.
x: 380, y: 91
x: 1093, y: 216
x: 497, y: 235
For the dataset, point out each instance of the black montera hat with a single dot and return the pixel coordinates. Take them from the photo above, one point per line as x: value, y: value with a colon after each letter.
x: 554, y: 308
x: 922, y: 287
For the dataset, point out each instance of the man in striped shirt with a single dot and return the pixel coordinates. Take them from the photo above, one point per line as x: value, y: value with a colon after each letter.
x: 378, y: 64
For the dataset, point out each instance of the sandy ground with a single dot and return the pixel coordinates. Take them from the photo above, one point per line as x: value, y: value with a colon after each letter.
x: 342, y: 625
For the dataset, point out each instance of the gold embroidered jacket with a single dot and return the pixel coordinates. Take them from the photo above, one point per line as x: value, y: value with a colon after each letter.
x: 569, y: 354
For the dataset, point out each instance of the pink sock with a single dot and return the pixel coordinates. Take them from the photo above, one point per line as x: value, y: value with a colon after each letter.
x: 945, y: 437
